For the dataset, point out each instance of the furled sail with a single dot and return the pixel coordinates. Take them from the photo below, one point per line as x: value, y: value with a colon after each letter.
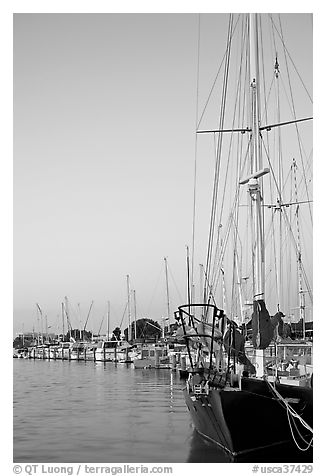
x: 234, y: 342
x: 262, y: 327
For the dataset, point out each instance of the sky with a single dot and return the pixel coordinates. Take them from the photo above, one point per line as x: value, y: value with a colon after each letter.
x: 104, y: 144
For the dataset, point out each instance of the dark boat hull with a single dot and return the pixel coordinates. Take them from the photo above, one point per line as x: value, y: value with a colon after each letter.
x: 251, y: 419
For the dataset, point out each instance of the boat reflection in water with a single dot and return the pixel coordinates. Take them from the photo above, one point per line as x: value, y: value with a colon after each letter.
x: 204, y: 451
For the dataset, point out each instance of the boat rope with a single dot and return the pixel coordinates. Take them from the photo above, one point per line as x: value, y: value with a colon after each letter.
x: 291, y: 413
x: 308, y: 443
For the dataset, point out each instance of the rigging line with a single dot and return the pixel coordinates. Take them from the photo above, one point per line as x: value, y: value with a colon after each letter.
x: 287, y: 219
x: 217, y: 74
x: 290, y: 231
x: 281, y: 184
x: 288, y: 53
x: 218, y: 151
x: 266, y: 99
x: 266, y: 96
x: 236, y: 200
x: 123, y: 315
x: 195, y: 164
x: 237, y: 270
x: 286, y: 95
x: 275, y: 259
x: 308, y: 170
x: 290, y: 261
x: 211, y: 295
x: 288, y: 177
x: 219, y: 260
x: 246, y: 155
x: 263, y: 81
x: 294, y: 112
x: 155, y: 288
x: 174, y: 282
x: 238, y: 90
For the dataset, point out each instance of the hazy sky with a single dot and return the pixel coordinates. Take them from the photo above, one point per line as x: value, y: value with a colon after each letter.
x: 104, y: 120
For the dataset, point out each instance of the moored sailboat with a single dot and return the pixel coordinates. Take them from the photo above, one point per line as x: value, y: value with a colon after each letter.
x: 246, y: 405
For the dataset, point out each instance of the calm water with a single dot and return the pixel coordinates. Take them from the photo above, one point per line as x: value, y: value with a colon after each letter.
x: 101, y: 412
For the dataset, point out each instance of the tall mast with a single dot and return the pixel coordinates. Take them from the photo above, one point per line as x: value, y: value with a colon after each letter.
x: 135, y: 315
x: 46, y: 328
x: 167, y: 290
x: 79, y: 316
x: 241, y: 320
x: 254, y: 183
x: 67, y: 316
x: 300, y: 273
x: 38, y: 325
x: 129, y: 313
x: 63, y: 321
x: 41, y: 316
x: 202, y: 289
x: 108, y: 320
x: 89, y: 311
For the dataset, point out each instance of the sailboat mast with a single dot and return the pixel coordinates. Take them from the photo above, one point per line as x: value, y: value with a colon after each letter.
x: 108, y: 320
x: 79, y: 315
x: 167, y: 290
x: 46, y: 328
x: 135, y: 315
x: 67, y: 316
x: 301, y: 292
x: 38, y: 325
x: 254, y: 184
x: 63, y: 321
x: 129, y: 313
x: 41, y: 316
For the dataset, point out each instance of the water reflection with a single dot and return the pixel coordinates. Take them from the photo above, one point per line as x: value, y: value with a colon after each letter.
x: 105, y: 412
x: 203, y: 451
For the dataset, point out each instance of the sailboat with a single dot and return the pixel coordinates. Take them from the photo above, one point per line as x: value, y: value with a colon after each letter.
x: 241, y: 394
